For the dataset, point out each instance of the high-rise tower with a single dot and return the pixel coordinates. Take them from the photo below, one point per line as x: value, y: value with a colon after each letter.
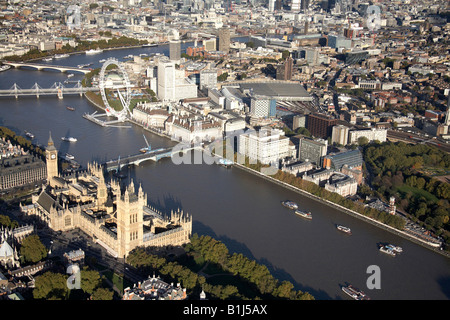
x: 447, y: 113
x: 130, y: 219
x: 175, y: 50
x: 224, y: 39
x: 51, y: 157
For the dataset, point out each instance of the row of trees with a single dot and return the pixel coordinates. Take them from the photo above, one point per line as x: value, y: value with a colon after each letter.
x: 211, y: 251
x: 400, y: 156
x: 15, y: 139
x: 114, y: 42
x: 53, y: 286
x: 257, y: 275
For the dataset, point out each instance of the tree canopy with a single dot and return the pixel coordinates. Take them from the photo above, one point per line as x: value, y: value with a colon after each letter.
x: 32, y: 249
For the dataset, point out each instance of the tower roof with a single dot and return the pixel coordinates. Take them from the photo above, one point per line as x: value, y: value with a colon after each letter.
x: 50, y: 144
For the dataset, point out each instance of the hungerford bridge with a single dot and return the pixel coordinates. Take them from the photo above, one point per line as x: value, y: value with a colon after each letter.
x: 56, y: 89
x: 41, y: 66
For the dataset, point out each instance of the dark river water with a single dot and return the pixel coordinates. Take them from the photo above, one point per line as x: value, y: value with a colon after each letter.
x: 233, y: 206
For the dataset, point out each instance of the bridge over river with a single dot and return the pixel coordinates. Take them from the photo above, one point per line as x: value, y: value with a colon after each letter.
x: 41, y: 66
x: 153, y: 155
x: 57, y: 89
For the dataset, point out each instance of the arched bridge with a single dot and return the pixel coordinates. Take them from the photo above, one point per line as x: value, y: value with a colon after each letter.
x: 154, y: 155
x: 40, y: 66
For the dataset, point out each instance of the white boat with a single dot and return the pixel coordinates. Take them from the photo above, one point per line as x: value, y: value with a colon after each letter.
x: 344, y: 229
x: 70, y: 75
x: 290, y: 204
x: 387, y: 250
x: 94, y: 51
x: 304, y: 214
x: 47, y: 59
x: 69, y: 156
x: 4, y: 67
x: 29, y: 134
x: 355, y: 293
x: 395, y: 249
x: 69, y: 139
x: 102, y: 60
x: 59, y: 56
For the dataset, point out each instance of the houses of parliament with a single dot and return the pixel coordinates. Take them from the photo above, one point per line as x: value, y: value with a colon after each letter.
x: 117, y: 218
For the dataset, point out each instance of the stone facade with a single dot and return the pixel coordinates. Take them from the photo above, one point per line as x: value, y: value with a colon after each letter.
x: 119, y: 220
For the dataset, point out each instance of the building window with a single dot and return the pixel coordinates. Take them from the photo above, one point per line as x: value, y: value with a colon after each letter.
x: 67, y: 221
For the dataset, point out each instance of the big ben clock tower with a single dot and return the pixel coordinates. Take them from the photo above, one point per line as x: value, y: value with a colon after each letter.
x: 51, y: 155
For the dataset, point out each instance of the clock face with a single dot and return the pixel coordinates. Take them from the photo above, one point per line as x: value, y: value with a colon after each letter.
x: 53, y: 156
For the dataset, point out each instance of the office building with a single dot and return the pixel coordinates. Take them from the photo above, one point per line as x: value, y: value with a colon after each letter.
x: 298, y: 121
x: 175, y: 50
x: 267, y: 145
x: 19, y: 168
x: 208, y: 79
x: 371, y: 135
x: 261, y: 106
x: 172, y: 84
x: 320, y: 125
x: 336, y: 161
x: 285, y: 70
x: 339, y: 135
x: 336, y: 42
x: 224, y: 39
x: 312, y: 150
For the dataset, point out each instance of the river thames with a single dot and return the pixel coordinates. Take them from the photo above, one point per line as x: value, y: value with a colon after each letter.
x: 239, y: 209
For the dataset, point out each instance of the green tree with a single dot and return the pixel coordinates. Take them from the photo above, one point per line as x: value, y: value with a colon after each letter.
x: 7, y: 222
x: 90, y: 280
x: 102, y: 294
x: 362, y: 141
x: 32, y: 249
x: 223, y: 76
x: 50, y: 286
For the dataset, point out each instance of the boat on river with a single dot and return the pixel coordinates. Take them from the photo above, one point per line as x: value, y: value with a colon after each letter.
x: 4, y: 67
x: 395, y: 249
x: 290, y: 204
x: 29, y: 135
x: 387, y: 250
x: 69, y: 156
x: 94, y: 51
x: 344, y: 229
x: 355, y: 293
x: 304, y: 214
x: 69, y: 139
x: 60, y: 56
x: 70, y: 108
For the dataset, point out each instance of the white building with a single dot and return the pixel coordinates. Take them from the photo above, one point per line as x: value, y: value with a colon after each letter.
x: 340, y: 135
x: 172, y: 84
x: 267, y: 145
x: 343, y: 185
x: 193, y: 129
x: 208, y: 78
x: 370, y: 134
